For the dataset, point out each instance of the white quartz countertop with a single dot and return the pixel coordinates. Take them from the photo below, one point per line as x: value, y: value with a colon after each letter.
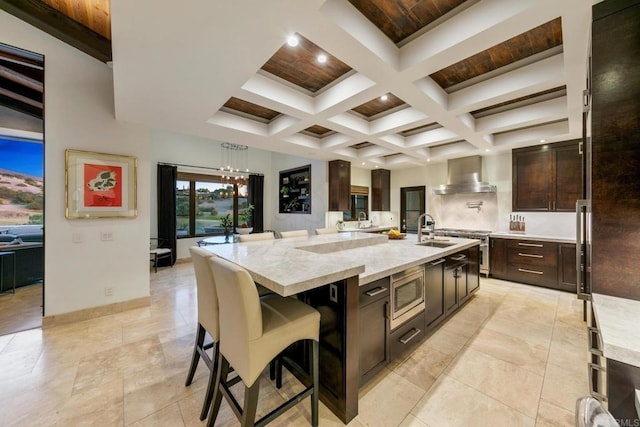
x: 618, y: 320
x: 518, y: 236
x: 290, y: 266
x: 367, y: 229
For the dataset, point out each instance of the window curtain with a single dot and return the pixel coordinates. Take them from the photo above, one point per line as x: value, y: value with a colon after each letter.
x: 167, y: 176
x: 256, y: 196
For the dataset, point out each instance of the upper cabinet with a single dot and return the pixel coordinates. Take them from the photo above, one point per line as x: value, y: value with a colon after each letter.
x: 339, y: 185
x: 380, y: 190
x: 547, y: 178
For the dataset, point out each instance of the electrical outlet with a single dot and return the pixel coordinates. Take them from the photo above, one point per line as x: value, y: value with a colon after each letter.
x: 106, y: 236
x: 76, y: 237
x: 108, y: 291
x: 333, y: 293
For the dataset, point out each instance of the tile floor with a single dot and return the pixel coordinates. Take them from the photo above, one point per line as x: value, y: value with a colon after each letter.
x: 513, y: 356
x: 22, y: 310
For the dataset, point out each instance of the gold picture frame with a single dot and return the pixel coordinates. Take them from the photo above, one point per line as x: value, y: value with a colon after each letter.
x: 100, y: 185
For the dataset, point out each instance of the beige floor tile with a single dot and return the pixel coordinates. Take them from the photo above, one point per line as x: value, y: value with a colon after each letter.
x: 511, y: 325
x: 169, y: 416
x: 4, y: 341
x: 389, y: 402
x: 22, y: 310
x: 452, y: 403
x: 529, y: 356
x: 550, y: 415
x: 412, y: 421
x: 503, y: 381
x: 424, y: 366
x: 446, y: 341
x: 563, y: 387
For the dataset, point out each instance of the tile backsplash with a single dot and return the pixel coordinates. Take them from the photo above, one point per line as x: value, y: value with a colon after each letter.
x: 477, y: 211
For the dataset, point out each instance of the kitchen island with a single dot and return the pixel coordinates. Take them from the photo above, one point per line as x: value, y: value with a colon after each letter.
x: 328, y: 271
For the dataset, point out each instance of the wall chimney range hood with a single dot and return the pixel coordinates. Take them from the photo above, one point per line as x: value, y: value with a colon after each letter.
x: 464, y: 175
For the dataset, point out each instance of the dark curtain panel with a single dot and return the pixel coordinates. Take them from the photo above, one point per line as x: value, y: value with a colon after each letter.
x: 256, y: 196
x: 167, y: 176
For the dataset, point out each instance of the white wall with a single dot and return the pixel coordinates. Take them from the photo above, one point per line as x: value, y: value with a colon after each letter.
x: 175, y: 148
x: 79, y: 114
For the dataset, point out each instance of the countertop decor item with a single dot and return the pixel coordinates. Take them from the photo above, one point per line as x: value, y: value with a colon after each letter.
x: 100, y: 185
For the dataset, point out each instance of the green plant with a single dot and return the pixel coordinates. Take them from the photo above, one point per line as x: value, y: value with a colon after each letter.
x: 284, y: 190
x: 245, y: 216
x: 227, y: 222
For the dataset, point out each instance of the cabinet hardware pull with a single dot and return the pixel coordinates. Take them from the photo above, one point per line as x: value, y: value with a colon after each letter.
x: 459, y: 257
x: 524, y: 270
x: 440, y: 261
x: 532, y: 245
x: 531, y: 255
x: 376, y: 291
x: 411, y: 336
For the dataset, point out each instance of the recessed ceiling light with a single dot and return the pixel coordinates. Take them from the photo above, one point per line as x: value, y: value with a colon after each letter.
x: 384, y: 97
x: 428, y: 160
x: 363, y: 163
x: 377, y: 166
x: 543, y: 140
x: 487, y: 150
x: 292, y: 41
x: 322, y: 58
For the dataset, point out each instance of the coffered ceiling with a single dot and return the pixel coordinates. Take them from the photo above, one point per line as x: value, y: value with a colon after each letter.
x: 458, y: 77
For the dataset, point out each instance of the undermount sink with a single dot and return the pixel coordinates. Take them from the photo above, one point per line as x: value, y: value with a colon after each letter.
x: 435, y: 244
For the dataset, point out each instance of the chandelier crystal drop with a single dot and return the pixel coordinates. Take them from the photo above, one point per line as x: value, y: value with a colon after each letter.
x: 236, y: 159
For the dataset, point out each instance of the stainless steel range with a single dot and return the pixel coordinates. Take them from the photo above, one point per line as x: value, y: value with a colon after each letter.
x: 482, y: 235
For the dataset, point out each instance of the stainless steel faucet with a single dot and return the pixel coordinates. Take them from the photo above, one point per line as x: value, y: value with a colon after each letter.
x: 359, y: 217
x: 420, y: 224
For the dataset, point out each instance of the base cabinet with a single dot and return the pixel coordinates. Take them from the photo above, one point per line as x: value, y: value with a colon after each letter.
x: 434, y: 292
x: 534, y: 262
x: 406, y: 336
x: 374, y: 309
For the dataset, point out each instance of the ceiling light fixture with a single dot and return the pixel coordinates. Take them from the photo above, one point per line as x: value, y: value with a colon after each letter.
x: 363, y: 163
x: 384, y: 97
x: 236, y: 157
x: 543, y: 140
x: 486, y: 150
x: 428, y: 160
x: 292, y: 41
x: 322, y: 58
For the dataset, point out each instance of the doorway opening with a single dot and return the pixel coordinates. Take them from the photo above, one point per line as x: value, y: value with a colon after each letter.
x: 412, y: 205
x: 21, y: 189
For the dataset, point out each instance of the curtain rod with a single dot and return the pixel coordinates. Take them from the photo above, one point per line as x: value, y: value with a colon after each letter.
x: 206, y: 167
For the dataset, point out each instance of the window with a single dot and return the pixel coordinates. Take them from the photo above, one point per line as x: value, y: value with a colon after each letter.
x: 203, y: 200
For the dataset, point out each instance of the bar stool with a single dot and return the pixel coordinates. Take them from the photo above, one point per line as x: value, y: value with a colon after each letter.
x: 207, y: 323
x: 294, y: 233
x: 327, y: 230
x: 253, y: 332
x: 256, y: 236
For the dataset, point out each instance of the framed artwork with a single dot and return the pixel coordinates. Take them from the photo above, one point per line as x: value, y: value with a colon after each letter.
x: 99, y: 185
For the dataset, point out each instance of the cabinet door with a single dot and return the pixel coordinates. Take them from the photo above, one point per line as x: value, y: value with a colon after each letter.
x: 498, y: 257
x: 434, y: 291
x: 567, y: 274
x: 568, y: 177
x: 531, y: 189
x: 380, y: 189
x: 461, y: 283
x: 373, y: 338
x: 339, y: 185
x: 450, y: 290
x: 473, y: 269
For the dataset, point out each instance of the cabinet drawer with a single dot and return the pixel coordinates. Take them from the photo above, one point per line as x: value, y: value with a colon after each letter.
x: 407, y: 336
x: 374, y: 291
x: 534, y: 246
x: 535, y: 275
x: 532, y: 258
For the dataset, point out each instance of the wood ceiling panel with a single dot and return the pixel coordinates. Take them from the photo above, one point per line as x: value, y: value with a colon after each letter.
x: 299, y: 65
x: 545, y: 95
x: 251, y: 109
x: 93, y: 14
x: 362, y: 145
x: 377, y: 105
x: 318, y: 130
x: 420, y: 129
x: 399, y: 19
x: 539, y: 39
x: 21, y: 80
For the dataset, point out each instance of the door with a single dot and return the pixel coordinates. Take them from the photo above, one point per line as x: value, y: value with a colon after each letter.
x: 411, y: 207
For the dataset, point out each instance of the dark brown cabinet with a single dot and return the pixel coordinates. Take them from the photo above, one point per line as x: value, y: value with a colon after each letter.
x: 567, y: 273
x: 498, y: 257
x: 339, y: 185
x: 535, y: 262
x: 374, y: 330
x: 434, y: 292
x: 547, y: 178
x: 473, y: 270
x: 381, y: 190
x: 455, y: 281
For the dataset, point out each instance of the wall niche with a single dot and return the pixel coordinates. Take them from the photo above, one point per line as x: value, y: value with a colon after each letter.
x: 294, y: 194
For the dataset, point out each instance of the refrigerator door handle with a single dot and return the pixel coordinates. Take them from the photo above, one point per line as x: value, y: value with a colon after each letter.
x: 582, y: 292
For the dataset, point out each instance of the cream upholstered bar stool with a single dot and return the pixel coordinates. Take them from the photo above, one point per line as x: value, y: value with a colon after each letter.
x: 253, y: 332
x: 294, y: 233
x: 207, y: 323
x: 327, y: 230
x: 268, y: 235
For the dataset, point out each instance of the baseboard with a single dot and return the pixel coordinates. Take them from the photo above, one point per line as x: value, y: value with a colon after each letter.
x: 93, y: 312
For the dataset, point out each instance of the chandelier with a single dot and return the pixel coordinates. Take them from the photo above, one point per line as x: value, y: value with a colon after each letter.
x: 234, y: 159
